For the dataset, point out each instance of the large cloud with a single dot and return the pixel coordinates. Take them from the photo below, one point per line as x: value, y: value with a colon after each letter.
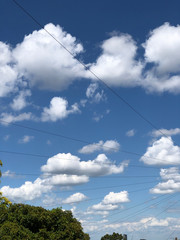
x: 117, y: 65
x: 45, y: 63
x: 9, y: 75
x: 33, y: 190
x: 162, y: 152
x: 70, y: 164
x: 27, y: 192
x: 162, y: 48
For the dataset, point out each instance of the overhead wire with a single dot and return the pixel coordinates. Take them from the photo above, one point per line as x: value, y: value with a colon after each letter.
x: 138, y: 212
x: 89, y: 70
x: 86, y: 68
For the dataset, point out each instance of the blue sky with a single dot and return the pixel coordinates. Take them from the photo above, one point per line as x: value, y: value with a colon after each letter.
x: 66, y: 139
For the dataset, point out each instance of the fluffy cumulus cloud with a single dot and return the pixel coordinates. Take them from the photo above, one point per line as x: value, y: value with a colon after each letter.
x: 162, y: 49
x: 170, y: 181
x: 111, y: 201
x: 117, y: 65
x: 167, y: 132
x: 162, y: 152
x: 115, y: 198
x: 75, y: 198
x: 9, y: 75
x: 58, y: 109
x: 108, y: 146
x: 70, y: 164
x: 45, y: 63
x: 64, y: 180
x: 27, y: 192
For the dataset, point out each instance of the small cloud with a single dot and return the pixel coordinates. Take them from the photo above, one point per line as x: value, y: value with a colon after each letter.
x: 6, y: 138
x: 8, y: 173
x: 19, y: 102
x: 26, y: 139
x: 130, y: 133
x: 7, y: 118
x: 75, y: 198
x: 166, y: 132
x: 48, y: 142
x: 58, y: 110
x: 108, y: 146
x: 93, y: 95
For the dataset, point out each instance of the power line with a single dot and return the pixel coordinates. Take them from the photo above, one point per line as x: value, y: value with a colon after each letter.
x: 48, y: 156
x: 135, y: 206
x: 138, y: 212
x: 89, y: 70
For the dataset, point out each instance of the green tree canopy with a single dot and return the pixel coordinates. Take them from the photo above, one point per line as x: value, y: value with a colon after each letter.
x: 114, y: 236
x: 20, y: 221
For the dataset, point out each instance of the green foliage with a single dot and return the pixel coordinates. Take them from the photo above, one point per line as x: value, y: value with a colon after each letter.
x: 20, y: 221
x: 114, y: 236
x: 3, y: 200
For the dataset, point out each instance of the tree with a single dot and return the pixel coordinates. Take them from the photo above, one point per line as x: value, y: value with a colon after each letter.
x: 20, y: 221
x: 114, y: 236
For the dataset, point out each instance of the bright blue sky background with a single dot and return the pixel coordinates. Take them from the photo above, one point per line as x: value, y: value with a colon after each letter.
x: 134, y: 47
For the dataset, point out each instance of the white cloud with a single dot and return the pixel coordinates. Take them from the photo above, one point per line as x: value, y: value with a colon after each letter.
x: 110, y: 202
x: 26, y: 139
x: 33, y: 190
x: 8, y: 73
x: 117, y: 65
x: 75, y: 198
x: 130, y: 133
x: 115, y: 198
x: 6, y: 118
x: 167, y: 187
x: 67, y: 180
x: 163, y: 47
x: 45, y: 63
x: 70, y: 164
x: 27, y: 192
x: 6, y: 137
x: 108, y: 146
x: 167, y: 132
x: 8, y: 173
x: 162, y: 152
x: 19, y: 102
x: 92, y: 93
x: 58, y: 110
x: 139, y: 225
x: 104, y: 207
x: 171, y: 181
x: 170, y: 173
